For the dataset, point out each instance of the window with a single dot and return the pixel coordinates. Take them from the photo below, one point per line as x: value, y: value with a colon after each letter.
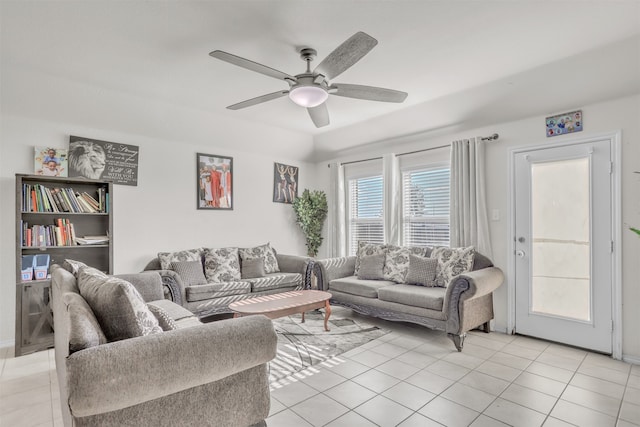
x: 425, y: 207
x: 365, y: 211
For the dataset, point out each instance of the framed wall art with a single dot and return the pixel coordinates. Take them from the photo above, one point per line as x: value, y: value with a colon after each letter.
x: 215, y: 177
x: 50, y: 161
x: 285, y: 183
x: 564, y: 123
x: 95, y: 159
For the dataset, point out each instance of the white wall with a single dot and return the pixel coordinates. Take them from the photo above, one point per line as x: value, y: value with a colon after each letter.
x: 160, y: 213
x: 619, y: 114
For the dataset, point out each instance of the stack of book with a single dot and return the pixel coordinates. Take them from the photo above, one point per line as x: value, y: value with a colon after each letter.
x: 61, y: 234
x: 38, y: 198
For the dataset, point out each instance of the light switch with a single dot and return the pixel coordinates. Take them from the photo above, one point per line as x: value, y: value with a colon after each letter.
x: 495, y: 215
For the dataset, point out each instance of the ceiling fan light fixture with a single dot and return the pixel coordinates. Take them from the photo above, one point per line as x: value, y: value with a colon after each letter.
x: 308, y: 96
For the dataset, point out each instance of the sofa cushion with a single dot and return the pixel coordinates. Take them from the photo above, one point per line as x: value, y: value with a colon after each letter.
x: 422, y: 271
x: 366, y: 249
x: 73, y: 266
x: 164, y: 320
x: 182, y: 317
x: 265, y: 252
x: 252, y: 268
x: 275, y: 281
x: 416, y: 296
x: 84, y: 329
x: 216, y: 290
x: 119, y: 308
x: 166, y: 258
x: 396, y: 263
x: 354, y: 286
x: 371, y: 267
x: 221, y: 265
x: 190, y: 272
x: 452, y: 262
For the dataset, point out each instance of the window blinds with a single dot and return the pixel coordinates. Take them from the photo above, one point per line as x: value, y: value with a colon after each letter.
x: 425, y: 207
x: 365, y: 211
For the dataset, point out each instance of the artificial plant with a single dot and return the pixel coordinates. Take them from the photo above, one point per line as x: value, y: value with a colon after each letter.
x: 635, y: 230
x: 311, y: 211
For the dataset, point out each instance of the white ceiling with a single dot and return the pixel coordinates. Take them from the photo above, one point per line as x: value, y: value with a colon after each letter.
x: 434, y: 50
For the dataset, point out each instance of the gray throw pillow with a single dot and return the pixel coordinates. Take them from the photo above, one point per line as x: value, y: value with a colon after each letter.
x: 84, y: 329
x: 164, y: 320
x: 253, y: 268
x: 371, y: 267
x: 366, y: 249
x: 119, y: 308
x: 166, y: 258
x: 73, y: 266
x: 422, y: 271
x: 190, y: 272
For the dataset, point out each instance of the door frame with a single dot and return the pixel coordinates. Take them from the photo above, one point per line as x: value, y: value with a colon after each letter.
x: 616, y: 232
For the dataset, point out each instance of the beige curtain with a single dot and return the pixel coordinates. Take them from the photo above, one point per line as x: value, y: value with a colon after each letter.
x: 392, y: 198
x: 337, y: 233
x: 469, y: 225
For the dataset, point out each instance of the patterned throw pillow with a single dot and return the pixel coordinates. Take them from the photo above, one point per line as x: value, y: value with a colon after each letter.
x: 166, y: 258
x: 84, y: 328
x: 164, y: 320
x: 452, y: 262
x: 190, y: 272
x: 396, y: 264
x: 119, y: 308
x: 365, y: 249
x: 252, y: 268
x: 265, y: 252
x: 371, y: 267
x: 221, y: 265
x: 422, y: 271
x: 73, y: 266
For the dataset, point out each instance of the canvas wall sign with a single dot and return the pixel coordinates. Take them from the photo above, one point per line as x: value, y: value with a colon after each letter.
x: 564, y: 123
x: 214, y: 181
x: 95, y: 159
x: 285, y: 183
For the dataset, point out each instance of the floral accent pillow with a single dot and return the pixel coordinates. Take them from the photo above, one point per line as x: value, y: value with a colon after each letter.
x: 265, y: 252
x: 221, y: 265
x: 166, y: 258
x: 366, y: 249
x: 396, y: 263
x: 452, y: 262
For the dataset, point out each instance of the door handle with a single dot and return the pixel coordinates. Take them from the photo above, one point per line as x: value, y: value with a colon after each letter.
x: 520, y: 254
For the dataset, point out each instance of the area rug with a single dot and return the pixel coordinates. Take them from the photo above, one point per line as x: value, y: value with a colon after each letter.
x: 304, y: 345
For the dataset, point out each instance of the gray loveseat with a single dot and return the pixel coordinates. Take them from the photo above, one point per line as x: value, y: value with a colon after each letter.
x: 465, y: 303
x: 213, y: 374
x: 224, y: 277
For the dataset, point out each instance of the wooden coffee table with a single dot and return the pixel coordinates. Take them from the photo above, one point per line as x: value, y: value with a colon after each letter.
x: 284, y: 304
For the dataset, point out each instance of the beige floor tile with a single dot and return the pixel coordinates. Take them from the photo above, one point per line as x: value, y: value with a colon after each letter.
x: 478, y: 351
x: 389, y: 349
x: 350, y: 394
x: 606, y: 388
x: 409, y: 395
x: 287, y: 418
x: 407, y: 342
x: 630, y: 412
x: 499, y: 371
x: 632, y: 395
x: 484, y: 421
x: 514, y: 414
x: 433, y: 350
x: 529, y: 342
x: 324, y: 380
x: 529, y: 398
x: 484, y: 382
x: 562, y: 350
x: 21, y: 370
x: 383, y: 412
x: 559, y: 361
x: 592, y: 400
x: 465, y: 359
x: 293, y: 393
x: 554, y: 422
x: 24, y: 383
x: 448, y: 370
x: 623, y: 423
x: 276, y: 406
x: 604, y: 373
x: 510, y: 360
x: 397, y: 369
x: 634, y: 381
x: 485, y: 342
x: 520, y: 351
x: 468, y: 396
x: 320, y: 410
x: 429, y: 381
x: 541, y: 384
x: 416, y: 420
x: 417, y: 359
x: 35, y: 396
x: 351, y: 419
x: 548, y: 371
x: 28, y: 416
x: 581, y: 416
x: 376, y: 381
x: 448, y: 413
x: 370, y: 358
x: 606, y: 362
x: 348, y: 368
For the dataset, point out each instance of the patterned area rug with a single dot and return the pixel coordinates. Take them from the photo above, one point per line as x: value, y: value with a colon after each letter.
x: 303, y: 345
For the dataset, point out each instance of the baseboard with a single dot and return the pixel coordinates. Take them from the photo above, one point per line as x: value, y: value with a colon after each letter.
x: 634, y: 360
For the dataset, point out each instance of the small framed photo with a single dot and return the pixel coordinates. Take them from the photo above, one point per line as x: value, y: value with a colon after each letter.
x: 50, y: 161
x: 214, y: 175
x: 564, y: 123
x: 285, y: 183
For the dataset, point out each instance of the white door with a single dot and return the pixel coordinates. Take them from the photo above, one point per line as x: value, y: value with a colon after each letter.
x: 563, y: 247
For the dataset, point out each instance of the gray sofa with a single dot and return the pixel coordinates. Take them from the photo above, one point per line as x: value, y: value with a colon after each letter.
x: 465, y: 304
x: 214, y: 298
x: 213, y: 374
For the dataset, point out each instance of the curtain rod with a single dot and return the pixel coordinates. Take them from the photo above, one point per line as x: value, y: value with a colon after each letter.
x: 493, y: 137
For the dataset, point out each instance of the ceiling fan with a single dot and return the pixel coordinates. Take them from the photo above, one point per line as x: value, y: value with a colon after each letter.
x: 312, y: 88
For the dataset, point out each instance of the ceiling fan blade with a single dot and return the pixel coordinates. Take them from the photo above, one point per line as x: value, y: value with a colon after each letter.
x: 250, y: 65
x: 319, y: 115
x: 258, y: 100
x: 370, y: 93
x: 345, y: 55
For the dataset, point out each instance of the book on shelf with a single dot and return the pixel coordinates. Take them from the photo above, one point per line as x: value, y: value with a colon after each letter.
x: 92, y: 240
x: 61, y: 233
x: 40, y: 198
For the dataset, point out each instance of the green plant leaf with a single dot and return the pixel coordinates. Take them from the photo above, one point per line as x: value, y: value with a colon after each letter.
x: 635, y: 230
x: 311, y: 211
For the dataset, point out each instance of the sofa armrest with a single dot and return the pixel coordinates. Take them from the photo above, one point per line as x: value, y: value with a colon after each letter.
x: 174, y: 286
x: 468, y: 286
x: 296, y: 264
x: 329, y: 269
x: 117, y: 375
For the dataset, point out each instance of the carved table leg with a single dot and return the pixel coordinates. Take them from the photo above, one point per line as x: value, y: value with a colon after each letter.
x: 327, y: 313
x: 302, y: 317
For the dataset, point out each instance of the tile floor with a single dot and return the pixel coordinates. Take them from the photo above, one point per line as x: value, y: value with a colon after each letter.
x: 409, y: 377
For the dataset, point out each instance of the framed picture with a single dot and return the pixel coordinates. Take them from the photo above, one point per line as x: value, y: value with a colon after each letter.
x: 214, y: 175
x: 285, y: 183
x: 50, y: 161
x: 564, y: 123
x: 95, y: 159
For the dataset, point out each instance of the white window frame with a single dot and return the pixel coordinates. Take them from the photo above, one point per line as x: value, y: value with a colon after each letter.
x: 349, y: 221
